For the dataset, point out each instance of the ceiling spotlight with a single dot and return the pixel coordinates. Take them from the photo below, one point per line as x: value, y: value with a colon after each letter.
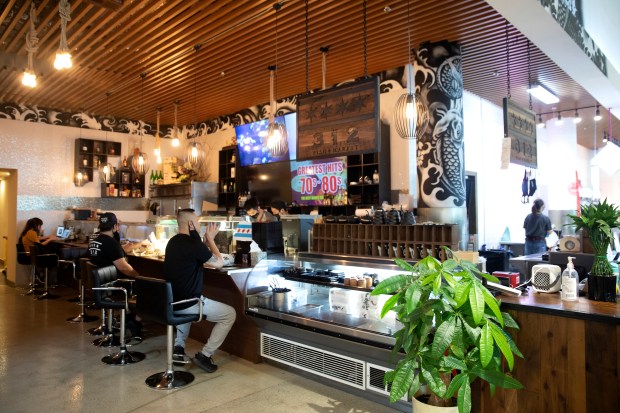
x: 543, y: 94
x: 577, y: 118
x: 541, y: 123
x: 597, y: 114
x: 604, y: 136
x: 558, y: 120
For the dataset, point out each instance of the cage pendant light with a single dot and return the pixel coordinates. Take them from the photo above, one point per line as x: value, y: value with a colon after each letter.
x: 405, y: 112
x: 277, y: 138
x: 106, y: 169
x: 140, y: 160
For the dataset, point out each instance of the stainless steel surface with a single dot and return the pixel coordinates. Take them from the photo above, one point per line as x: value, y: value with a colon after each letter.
x: 193, y: 195
x: 448, y: 216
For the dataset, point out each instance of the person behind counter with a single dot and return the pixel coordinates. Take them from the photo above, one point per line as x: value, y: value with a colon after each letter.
x: 30, y: 234
x: 537, y: 227
x: 106, y: 250
x: 186, y: 254
x: 278, y: 208
x: 258, y: 214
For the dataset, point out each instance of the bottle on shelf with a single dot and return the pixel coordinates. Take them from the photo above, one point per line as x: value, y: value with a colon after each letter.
x: 152, y: 177
x: 224, y: 187
x: 125, y: 162
x: 375, y: 177
x: 232, y: 172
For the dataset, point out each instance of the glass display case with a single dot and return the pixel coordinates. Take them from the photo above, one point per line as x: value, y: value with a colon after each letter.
x: 327, y: 295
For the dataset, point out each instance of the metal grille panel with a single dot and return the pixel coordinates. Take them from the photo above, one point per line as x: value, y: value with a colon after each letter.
x: 324, y: 363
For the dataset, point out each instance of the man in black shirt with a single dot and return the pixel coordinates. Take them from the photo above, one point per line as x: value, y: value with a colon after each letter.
x: 183, y: 267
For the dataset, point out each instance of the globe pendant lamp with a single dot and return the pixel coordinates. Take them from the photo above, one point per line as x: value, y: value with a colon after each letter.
x: 405, y: 112
x: 277, y: 137
x: 195, y: 154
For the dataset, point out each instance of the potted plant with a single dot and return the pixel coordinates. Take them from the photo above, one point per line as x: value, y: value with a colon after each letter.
x: 453, y: 332
x: 597, y: 220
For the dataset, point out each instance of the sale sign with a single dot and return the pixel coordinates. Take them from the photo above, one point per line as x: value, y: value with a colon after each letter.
x: 320, y: 181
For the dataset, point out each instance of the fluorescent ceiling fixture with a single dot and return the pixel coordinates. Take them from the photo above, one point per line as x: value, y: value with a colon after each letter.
x: 607, y: 158
x: 543, y: 94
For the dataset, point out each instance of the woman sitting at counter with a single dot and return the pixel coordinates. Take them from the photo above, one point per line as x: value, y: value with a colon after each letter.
x: 30, y: 234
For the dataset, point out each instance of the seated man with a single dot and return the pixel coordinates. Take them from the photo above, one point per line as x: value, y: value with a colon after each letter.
x: 106, y: 250
x: 186, y: 254
x: 256, y: 213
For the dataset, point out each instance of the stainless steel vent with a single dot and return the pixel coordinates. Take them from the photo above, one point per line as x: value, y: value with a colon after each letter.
x: 324, y: 363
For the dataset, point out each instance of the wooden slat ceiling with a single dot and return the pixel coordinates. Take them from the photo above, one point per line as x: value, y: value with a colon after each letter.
x: 114, y: 41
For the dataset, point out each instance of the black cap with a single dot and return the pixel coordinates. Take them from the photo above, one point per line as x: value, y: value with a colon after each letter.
x: 107, y: 221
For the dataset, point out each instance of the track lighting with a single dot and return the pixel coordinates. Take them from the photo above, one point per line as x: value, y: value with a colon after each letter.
x: 541, y: 123
x: 597, y: 114
x: 577, y: 118
x: 558, y: 120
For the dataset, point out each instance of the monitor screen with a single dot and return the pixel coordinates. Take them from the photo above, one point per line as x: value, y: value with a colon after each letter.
x: 269, y: 181
x: 251, y: 143
x: 320, y: 181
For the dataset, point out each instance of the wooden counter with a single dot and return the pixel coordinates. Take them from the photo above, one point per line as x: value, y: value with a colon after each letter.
x: 571, y: 357
x: 226, y: 286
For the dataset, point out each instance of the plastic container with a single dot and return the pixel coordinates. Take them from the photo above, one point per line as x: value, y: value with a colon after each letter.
x: 570, y: 281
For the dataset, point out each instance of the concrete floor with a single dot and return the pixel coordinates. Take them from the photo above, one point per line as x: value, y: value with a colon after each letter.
x: 50, y: 365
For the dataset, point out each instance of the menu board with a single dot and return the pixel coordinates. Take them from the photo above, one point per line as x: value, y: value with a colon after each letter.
x: 319, y: 181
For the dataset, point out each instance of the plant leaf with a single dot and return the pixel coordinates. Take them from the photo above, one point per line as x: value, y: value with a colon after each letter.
x: 492, y: 304
x: 412, y: 296
x: 456, y: 384
x: 404, y: 265
x: 464, y: 398
x: 452, y: 362
x: 502, y: 343
x: 443, y: 337
x: 497, y: 378
x: 391, y: 302
x: 392, y: 284
x: 461, y: 292
x: 486, y: 345
x: 476, y: 301
x: 403, y: 375
x: 509, y: 321
x: 435, y: 384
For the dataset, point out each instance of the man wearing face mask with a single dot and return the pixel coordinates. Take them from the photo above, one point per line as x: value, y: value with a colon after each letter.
x: 256, y: 213
x: 186, y: 254
x: 106, y: 250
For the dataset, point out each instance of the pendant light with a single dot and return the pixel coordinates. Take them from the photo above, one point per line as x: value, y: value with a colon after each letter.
x: 157, y: 150
x: 195, y: 155
x: 29, y: 78
x: 140, y: 161
x: 405, y: 112
x: 277, y: 137
x: 63, y: 57
x: 175, y: 128
x: 106, y: 170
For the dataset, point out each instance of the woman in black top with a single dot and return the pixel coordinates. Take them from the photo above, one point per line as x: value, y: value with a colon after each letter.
x: 537, y: 227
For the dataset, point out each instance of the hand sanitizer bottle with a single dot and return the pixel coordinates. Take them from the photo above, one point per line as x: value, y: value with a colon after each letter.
x: 570, y: 279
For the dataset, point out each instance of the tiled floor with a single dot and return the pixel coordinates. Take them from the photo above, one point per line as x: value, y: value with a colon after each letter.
x: 49, y: 365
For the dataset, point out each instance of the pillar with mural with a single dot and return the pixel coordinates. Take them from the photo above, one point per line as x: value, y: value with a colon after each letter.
x: 440, y: 138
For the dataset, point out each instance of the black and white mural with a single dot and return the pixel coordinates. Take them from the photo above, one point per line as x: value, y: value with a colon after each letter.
x: 439, y: 131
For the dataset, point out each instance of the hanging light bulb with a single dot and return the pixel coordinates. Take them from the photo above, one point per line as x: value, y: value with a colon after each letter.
x: 277, y: 137
x: 157, y: 150
x: 140, y: 161
x: 63, y: 57
x: 29, y: 78
x: 558, y: 120
x: 175, y: 128
x: 106, y: 170
x: 605, y: 137
x: 195, y: 155
x: 541, y: 123
x: 577, y: 118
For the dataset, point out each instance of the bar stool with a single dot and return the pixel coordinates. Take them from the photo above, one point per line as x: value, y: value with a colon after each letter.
x: 76, y: 254
x: 24, y: 258
x: 47, y: 261
x: 86, y: 268
x: 103, y: 280
x: 155, y: 303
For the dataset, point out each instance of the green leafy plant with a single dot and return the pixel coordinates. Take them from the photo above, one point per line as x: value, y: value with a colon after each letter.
x: 598, y: 220
x: 450, y: 323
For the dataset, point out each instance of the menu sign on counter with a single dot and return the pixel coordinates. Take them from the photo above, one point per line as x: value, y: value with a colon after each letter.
x: 339, y: 121
x: 320, y: 181
x: 520, y: 127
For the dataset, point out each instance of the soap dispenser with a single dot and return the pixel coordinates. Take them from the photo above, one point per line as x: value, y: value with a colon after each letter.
x: 570, y: 279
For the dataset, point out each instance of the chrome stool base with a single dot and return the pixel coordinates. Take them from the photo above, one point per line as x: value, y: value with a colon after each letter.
x: 107, y: 341
x: 46, y: 296
x: 167, y: 380
x: 123, y: 357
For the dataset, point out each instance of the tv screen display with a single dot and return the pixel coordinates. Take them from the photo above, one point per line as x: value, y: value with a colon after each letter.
x: 251, y: 138
x: 270, y: 181
x: 320, y: 181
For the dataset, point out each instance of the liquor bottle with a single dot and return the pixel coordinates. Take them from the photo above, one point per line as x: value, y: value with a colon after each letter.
x: 152, y: 177
x: 125, y: 162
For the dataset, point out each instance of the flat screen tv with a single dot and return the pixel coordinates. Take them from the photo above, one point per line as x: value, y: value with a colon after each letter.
x: 319, y: 181
x: 251, y: 141
x: 269, y: 181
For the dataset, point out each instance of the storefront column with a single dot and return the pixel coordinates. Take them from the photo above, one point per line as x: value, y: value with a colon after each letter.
x: 440, y: 149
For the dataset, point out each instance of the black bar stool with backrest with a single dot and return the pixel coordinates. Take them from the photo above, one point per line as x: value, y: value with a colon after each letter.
x: 155, y: 303
x: 46, y: 261
x: 76, y: 254
x: 86, y: 268
x: 24, y: 258
x: 104, y: 279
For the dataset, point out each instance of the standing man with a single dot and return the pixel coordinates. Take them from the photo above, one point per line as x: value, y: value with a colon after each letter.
x: 183, y: 267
